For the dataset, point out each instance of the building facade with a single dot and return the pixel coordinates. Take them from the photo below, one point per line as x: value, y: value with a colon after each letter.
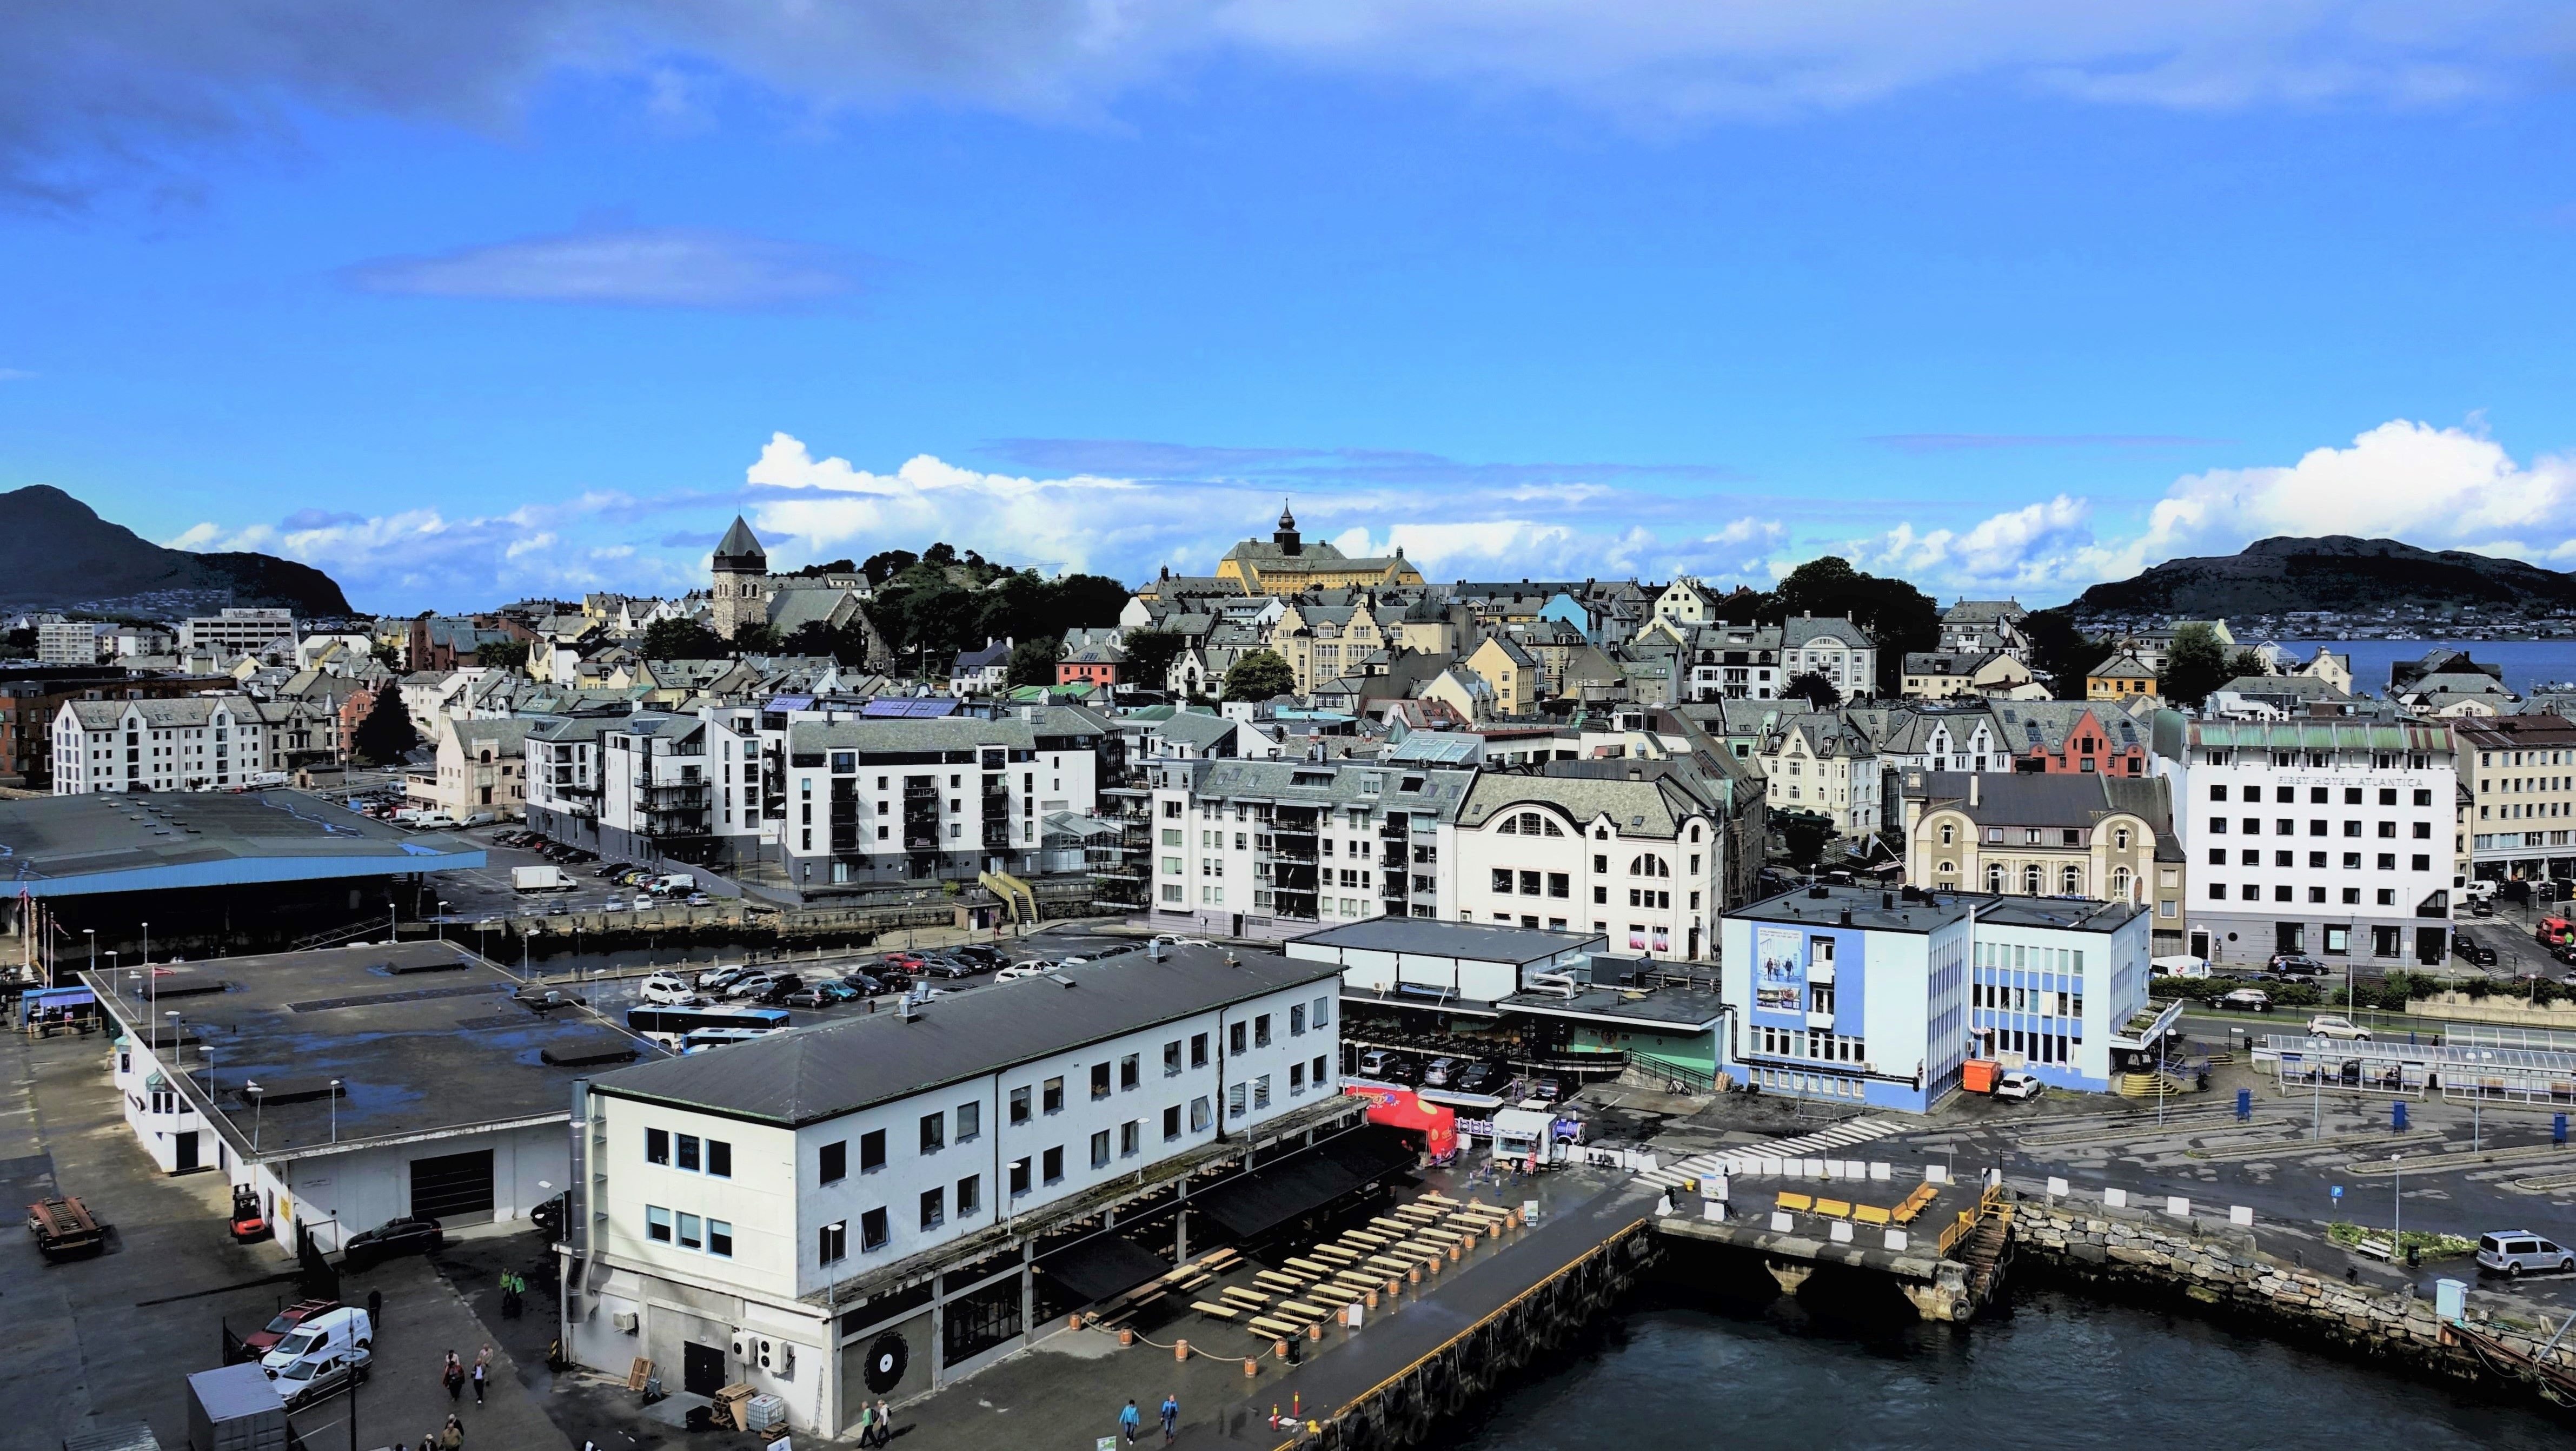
x: 1632, y: 850
x: 2103, y: 837
x: 236, y: 632
x: 1297, y: 841
x: 2519, y: 775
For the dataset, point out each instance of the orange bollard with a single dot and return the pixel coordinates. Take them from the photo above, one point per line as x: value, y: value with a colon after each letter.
x: 1372, y: 1299
x: 1073, y: 1322
x: 1126, y: 1338
x: 1180, y: 1350
x: 1279, y: 1348
x: 1316, y: 1330
x: 1414, y: 1275
x: 1251, y: 1367
x: 1456, y: 1250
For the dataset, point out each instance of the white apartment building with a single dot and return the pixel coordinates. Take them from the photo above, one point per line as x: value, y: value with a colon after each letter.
x: 195, y: 743
x: 74, y: 642
x: 236, y: 632
x: 1630, y: 849
x: 2326, y: 837
x: 879, y: 800
x: 870, y: 1208
x: 2520, y: 775
x: 481, y: 771
x: 1833, y: 647
x: 562, y: 764
x: 1822, y: 764
x: 1260, y: 841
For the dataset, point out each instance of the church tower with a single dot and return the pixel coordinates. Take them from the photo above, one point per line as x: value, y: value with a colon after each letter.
x: 1287, y: 537
x: 741, y: 581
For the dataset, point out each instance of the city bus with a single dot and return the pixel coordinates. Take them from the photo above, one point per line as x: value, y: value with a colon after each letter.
x: 669, y: 1025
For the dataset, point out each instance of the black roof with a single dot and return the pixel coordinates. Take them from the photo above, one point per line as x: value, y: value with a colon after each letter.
x: 807, y: 1075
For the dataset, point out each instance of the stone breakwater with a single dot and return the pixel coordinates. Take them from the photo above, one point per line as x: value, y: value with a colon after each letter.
x: 2219, y: 1268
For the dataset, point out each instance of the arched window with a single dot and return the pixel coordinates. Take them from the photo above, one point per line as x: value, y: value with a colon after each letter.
x: 2030, y: 881
x: 1650, y: 866
x: 1995, y: 879
x: 2120, y: 838
x: 1529, y: 823
x: 2071, y: 881
x: 1949, y: 834
x: 2119, y: 884
x: 1694, y: 831
x: 1511, y: 827
x: 1949, y: 869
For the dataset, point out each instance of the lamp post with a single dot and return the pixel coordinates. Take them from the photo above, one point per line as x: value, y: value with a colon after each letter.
x: 175, y: 1027
x: 251, y: 1087
x: 442, y: 919
x: 151, y: 984
x: 335, y: 1110
x: 2397, y: 1209
x: 92, y: 934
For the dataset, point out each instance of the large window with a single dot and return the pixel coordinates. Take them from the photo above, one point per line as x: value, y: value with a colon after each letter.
x: 872, y: 1230
x: 872, y: 1151
x: 1052, y: 1163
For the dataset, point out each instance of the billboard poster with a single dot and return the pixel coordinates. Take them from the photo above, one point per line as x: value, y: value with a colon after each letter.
x: 1780, y: 979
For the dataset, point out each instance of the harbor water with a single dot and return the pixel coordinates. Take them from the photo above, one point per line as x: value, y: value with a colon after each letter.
x: 1697, y: 1366
x: 2525, y: 663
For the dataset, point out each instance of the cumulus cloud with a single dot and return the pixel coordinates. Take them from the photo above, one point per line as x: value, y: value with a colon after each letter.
x: 88, y: 90
x: 650, y: 267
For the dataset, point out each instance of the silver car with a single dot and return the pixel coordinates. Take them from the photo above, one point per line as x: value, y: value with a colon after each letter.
x: 2516, y: 1252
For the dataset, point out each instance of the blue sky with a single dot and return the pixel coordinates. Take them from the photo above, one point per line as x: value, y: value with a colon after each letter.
x: 482, y: 300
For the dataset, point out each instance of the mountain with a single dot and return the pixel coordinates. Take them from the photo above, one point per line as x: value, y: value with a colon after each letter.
x: 2335, y: 572
x: 57, y: 551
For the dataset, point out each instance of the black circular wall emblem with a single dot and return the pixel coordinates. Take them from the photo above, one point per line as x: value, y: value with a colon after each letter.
x: 886, y: 1360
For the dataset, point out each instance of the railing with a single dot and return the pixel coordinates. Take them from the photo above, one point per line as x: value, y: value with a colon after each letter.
x: 1698, y: 1080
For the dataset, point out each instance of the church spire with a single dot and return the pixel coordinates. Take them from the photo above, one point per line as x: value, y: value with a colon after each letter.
x: 1287, y: 538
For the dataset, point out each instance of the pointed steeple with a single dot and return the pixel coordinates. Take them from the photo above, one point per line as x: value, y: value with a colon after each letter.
x: 739, y: 552
x: 1287, y: 538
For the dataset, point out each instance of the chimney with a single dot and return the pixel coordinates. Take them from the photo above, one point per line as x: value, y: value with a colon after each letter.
x: 1846, y: 917
x: 1972, y: 787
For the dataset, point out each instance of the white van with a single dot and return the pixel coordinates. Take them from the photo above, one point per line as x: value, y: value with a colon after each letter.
x: 2182, y: 966
x: 327, y: 1336
x: 431, y: 821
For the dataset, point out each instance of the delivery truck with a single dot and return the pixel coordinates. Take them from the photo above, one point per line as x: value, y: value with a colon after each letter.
x: 545, y: 878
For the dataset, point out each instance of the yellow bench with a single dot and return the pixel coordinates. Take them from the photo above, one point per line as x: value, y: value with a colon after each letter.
x: 1222, y: 1312
x: 1870, y: 1214
x: 1834, y: 1208
x: 1334, y: 1251
x: 1796, y: 1203
x: 1914, y: 1204
x: 1300, y: 1307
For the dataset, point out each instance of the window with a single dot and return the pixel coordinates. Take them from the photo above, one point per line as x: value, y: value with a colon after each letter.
x: 872, y: 1230
x: 1171, y: 1123
x: 1052, y: 1100
x: 1052, y: 1164
x: 934, y: 1208
x: 1099, y: 1081
x: 1130, y: 1072
x: 719, y: 1158
x: 1261, y: 1031
x: 1297, y: 1021
x: 1322, y: 1015
x: 1100, y: 1149
x: 1019, y: 1177
x: 657, y: 1146
x: 1019, y: 1105
x: 1261, y: 1091
x: 1172, y: 1059
x: 1234, y: 1101
x: 970, y: 1122
x: 1234, y: 1038
x: 657, y: 1224
x: 1131, y: 1138
x: 1198, y: 1050
x: 934, y: 1132
x: 970, y: 1195
x: 692, y: 1232
x: 872, y: 1151
x: 1315, y: 1071
x: 832, y: 1244
x: 1202, y: 1115
x: 1503, y: 880
x: 688, y: 1157
x: 720, y: 1238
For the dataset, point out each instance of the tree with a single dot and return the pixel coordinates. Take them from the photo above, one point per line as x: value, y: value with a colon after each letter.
x: 1898, y: 617
x: 679, y: 639
x: 502, y: 654
x: 1150, y: 654
x: 2061, y: 653
x: 2196, y: 665
x: 1033, y: 661
x: 1812, y: 687
x: 757, y: 638
x: 1804, y: 835
x: 1259, y: 676
x: 386, y: 655
x: 387, y: 734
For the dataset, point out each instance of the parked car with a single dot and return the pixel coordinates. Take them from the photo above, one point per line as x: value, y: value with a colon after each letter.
x: 2019, y: 1087
x: 750, y: 985
x: 2328, y: 1025
x: 260, y: 1342
x: 1436, y: 1073
x: 947, y: 967
x: 2297, y: 964
x: 408, y: 1236
x: 979, y: 956
x: 668, y: 989
x: 1168, y: 939
x: 1376, y: 1063
x: 2472, y: 951
x: 303, y: 1382
x: 780, y: 985
x: 331, y: 1333
x: 2514, y: 1253
x: 613, y: 904
x: 717, y: 979
x: 1015, y: 973
x: 865, y: 984
x: 1474, y: 1079
x: 821, y: 994
x: 2247, y: 1000
x: 1547, y: 1090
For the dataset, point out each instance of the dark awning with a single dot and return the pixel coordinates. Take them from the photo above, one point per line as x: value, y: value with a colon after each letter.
x: 1101, y: 1266
x: 1274, y: 1194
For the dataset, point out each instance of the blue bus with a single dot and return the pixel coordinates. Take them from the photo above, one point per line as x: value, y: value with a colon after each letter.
x: 668, y: 1026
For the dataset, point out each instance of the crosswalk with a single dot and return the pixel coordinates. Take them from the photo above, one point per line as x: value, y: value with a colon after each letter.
x: 1850, y: 1133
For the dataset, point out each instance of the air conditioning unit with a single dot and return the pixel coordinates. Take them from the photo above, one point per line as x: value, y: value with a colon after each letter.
x: 624, y: 1320
x: 742, y: 1346
x: 764, y: 1354
x: 785, y: 1369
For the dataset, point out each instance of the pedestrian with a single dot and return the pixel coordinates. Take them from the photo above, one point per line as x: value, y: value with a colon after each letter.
x: 453, y: 1377
x: 483, y: 1357
x: 429, y: 1442
x: 867, y: 1424
x: 1171, y: 1417
x: 453, y: 1437
x: 482, y: 1373
x: 885, y: 1424
x: 1129, y: 1423
x: 376, y: 1308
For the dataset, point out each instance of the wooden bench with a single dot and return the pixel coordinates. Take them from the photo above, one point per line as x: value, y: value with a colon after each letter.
x: 1336, y: 1252
x: 1442, y: 1235
x: 1222, y: 1312
x: 1312, y: 1268
x: 1870, y: 1214
x: 1397, y: 1226
x: 1278, y: 1281
x: 1390, y: 1263
x: 2375, y: 1248
x: 1834, y: 1208
x: 1233, y: 1295
x: 1264, y: 1325
x: 1300, y: 1307
x: 1434, y: 1196
x: 1367, y: 1237
x: 1797, y: 1203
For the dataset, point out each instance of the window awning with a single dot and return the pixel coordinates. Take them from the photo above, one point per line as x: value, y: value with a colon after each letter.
x: 1273, y: 1195
x: 1101, y: 1266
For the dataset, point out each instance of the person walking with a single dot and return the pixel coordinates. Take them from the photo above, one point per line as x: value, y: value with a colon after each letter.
x: 452, y: 1438
x: 867, y: 1424
x: 482, y: 1373
x: 1171, y: 1417
x: 885, y: 1424
x: 376, y: 1308
x: 1129, y: 1423
x: 452, y: 1376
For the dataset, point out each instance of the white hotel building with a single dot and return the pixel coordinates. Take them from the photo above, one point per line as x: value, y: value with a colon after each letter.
x: 2326, y: 837
x: 873, y: 1207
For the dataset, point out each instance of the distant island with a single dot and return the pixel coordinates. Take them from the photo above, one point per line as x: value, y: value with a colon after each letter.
x: 2335, y: 579
x: 59, y: 554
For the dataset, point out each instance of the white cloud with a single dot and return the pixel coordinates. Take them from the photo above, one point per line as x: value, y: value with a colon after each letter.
x: 86, y: 90
x: 667, y: 267
x: 14, y: 375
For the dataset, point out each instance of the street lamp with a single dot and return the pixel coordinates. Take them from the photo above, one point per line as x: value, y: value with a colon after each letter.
x: 335, y: 1110
x: 92, y: 934
x: 251, y: 1087
x: 2397, y: 1209
x: 442, y: 919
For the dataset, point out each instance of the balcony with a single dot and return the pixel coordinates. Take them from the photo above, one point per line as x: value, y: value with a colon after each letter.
x: 1295, y: 848
x: 674, y: 796
x: 997, y: 834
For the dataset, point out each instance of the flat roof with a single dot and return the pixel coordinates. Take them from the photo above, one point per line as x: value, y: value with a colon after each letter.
x: 1646, y: 1008
x: 1877, y: 910
x: 1431, y: 937
x: 807, y: 1075
x: 424, y: 1038
x: 103, y: 842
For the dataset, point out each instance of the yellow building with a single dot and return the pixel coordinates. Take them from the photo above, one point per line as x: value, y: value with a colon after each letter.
x: 1512, y: 672
x: 1288, y: 565
x: 2121, y: 677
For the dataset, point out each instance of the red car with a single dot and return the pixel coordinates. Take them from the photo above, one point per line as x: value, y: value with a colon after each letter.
x: 263, y: 1340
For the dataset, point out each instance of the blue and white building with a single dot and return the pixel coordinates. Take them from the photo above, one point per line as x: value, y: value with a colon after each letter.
x: 1877, y: 998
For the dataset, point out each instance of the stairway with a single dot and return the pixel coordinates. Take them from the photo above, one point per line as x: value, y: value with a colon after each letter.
x: 1986, y: 1249
x: 2143, y: 1085
x: 1850, y: 1133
